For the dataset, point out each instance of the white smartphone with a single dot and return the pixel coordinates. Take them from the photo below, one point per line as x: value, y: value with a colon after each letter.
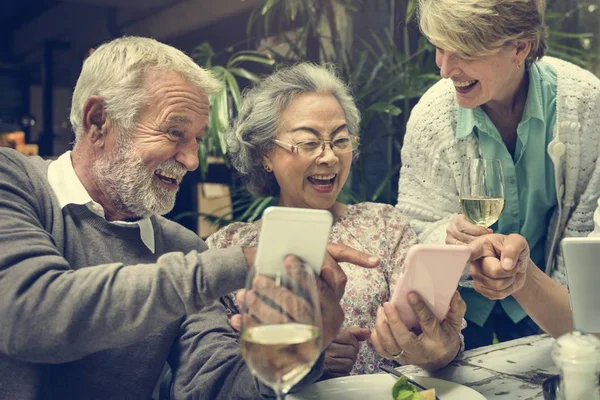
x: 581, y: 257
x: 433, y: 271
x: 298, y: 231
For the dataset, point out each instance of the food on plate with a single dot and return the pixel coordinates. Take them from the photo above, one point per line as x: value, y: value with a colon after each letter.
x: 403, y: 390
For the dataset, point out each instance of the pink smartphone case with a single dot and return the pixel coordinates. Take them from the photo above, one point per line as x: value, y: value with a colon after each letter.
x: 433, y: 271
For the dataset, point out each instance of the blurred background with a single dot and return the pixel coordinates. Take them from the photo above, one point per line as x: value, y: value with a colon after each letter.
x: 374, y: 43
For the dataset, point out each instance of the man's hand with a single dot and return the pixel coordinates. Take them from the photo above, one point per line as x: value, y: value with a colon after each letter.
x: 499, y: 264
x: 341, y: 354
x: 463, y: 231
x: 331, y: 284
x: 434, y: 347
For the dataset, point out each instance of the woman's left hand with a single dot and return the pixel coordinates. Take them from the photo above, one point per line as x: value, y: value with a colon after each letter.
x: 433, y: 348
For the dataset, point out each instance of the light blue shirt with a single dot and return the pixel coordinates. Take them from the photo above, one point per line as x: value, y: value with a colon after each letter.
x: 530, y: 190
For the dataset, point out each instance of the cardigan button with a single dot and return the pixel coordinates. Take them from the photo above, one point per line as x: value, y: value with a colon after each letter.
x: 557, y: 149
x: 574, y: 125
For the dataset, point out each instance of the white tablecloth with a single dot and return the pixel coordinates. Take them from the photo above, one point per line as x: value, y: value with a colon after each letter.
x: 512, y: 370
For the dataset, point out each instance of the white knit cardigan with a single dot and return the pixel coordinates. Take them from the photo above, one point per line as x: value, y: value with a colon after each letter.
x: 432, y: 157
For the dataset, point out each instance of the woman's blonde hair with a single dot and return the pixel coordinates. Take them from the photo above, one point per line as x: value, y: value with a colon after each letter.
x: 474, y: 28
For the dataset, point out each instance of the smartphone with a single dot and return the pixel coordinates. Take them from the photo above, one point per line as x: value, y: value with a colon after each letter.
x: 433, y: 271
x: 581, y: 255
x: 299, y: 231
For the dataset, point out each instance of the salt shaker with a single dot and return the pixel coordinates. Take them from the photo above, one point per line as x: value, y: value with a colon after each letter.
x: 577, y: 356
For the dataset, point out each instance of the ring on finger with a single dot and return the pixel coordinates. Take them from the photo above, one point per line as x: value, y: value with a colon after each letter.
x: 397, y: 356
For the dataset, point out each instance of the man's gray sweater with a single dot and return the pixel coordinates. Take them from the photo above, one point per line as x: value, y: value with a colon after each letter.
x: 88, y: 312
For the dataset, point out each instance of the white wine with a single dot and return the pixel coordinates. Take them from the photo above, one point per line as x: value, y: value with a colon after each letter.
x: 482, y: 211
x: 281, y: 355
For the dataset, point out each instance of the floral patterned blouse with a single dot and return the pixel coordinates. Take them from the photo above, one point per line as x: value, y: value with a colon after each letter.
x: 373, y: 228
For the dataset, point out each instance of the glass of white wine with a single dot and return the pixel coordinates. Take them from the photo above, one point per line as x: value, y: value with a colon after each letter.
x: 482, y: 191
x: 281, y: 324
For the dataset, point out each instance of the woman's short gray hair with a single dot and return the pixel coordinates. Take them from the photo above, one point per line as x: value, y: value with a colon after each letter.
x: 474, y: 28
x: 115, y: 71
x: 252, y: 133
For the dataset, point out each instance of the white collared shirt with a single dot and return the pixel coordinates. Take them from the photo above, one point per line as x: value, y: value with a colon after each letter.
x: 69, y: 190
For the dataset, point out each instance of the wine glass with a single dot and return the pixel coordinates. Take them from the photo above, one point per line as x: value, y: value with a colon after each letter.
x: 482, y: 191
x: 281, y: 324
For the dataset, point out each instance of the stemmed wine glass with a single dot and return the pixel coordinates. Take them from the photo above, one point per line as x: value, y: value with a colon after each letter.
x: 482, y: 191
x: 281, y: 324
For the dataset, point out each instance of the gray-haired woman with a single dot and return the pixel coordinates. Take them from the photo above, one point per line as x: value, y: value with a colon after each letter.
x: 501, y: 99
x: 295, y: 137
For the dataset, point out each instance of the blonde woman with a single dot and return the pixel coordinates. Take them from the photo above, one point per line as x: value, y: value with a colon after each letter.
x: 501, y: 98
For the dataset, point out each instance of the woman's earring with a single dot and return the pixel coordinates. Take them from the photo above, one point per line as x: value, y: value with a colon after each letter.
x: 519, y: 66
x: 267, y: 168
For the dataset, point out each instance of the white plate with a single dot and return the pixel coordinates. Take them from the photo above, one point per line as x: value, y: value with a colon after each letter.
x: 379, y: 386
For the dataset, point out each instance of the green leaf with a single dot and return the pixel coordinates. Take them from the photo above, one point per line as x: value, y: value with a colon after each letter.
x: 234, y: 89
x: 260, y: 207
x: 203, y: 159
x: 253, y: 207
x: 268, y: 6
x: 219, y: 72
x: 243, y: 73
x: 203, y: 55
x: 220, y: 117
x: 568, y: 35
x: 256, y: 58
x: 411, y: 6
x: 252, y: 22
x: 569, y: 49
x: 384, y: 107
x: 293, y: 10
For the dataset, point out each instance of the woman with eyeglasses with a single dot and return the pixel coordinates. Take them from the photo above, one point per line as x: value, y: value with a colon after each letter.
x: 295, y: 138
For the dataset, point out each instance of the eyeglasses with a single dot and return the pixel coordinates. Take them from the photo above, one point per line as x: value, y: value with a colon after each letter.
x: 314, y: 148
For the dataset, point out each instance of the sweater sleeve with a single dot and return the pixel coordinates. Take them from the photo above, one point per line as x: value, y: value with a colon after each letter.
x: 207, y: 362
x: 578, y: 100
x: 51, y: 313
x: 428, y: 185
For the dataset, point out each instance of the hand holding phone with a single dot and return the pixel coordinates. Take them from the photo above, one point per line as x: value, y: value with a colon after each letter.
x: 298, y: 231
x: 433, y: 271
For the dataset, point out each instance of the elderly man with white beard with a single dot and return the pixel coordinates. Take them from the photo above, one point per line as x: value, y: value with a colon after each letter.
x: 97, y: 290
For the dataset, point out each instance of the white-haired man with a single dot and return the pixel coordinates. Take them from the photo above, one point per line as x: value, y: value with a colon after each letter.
x: 97, y: 291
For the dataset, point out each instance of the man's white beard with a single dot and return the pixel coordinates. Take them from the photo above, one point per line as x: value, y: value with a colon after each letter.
x: 132, y: 189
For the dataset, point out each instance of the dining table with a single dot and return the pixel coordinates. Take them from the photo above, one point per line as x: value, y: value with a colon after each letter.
x: 512, y: 370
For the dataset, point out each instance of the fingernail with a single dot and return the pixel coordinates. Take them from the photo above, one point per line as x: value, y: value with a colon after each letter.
x: 374, y: 260
x: 412, y: 298
x: 490, y: 230
x: 507, y: 263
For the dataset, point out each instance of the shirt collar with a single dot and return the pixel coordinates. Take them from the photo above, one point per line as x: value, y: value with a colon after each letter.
x: 467, y: 119
x: 465, y: 122
x: 534, y: 107
x: 69, y: 190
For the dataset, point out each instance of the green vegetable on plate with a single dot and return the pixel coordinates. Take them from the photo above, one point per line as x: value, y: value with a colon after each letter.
x: 403, y: 390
